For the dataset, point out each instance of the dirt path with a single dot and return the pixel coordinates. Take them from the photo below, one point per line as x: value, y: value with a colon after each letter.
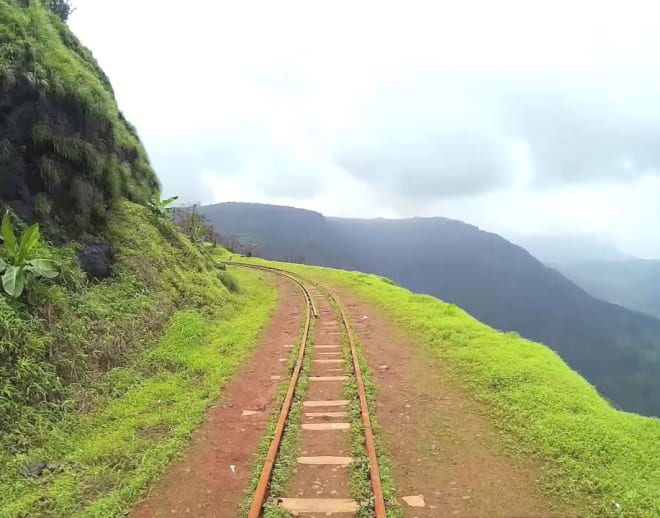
x: 203, y: 482
x: 440, y: 444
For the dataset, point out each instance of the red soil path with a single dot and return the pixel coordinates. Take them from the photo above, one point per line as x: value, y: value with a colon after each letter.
x: 440, y: 441
x: 202, y: 483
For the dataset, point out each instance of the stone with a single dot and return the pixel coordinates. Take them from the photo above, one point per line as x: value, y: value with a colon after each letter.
x: 325, y: 414
x: 326, y: 426
x: 34, y: 469
x: 325, y: 461
x: 96, y: 261
x: 414, y: 500
x: 328, y: 402
x: 319, y: 505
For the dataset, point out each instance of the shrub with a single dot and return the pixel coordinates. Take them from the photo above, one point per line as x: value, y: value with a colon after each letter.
x: 22, y: 264
x: 229, y: 282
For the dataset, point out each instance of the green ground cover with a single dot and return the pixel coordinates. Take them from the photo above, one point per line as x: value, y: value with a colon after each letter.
x: 126, y: 369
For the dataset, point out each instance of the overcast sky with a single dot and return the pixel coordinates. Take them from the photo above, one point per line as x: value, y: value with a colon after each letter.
x: 520, y: 117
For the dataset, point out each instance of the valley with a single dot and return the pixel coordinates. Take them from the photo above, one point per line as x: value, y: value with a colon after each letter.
x: 161, y: 357
x: 496, y: 281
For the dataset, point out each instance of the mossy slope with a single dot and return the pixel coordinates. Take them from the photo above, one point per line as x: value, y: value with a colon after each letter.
x: 594, y: 456
x: 66, y: 151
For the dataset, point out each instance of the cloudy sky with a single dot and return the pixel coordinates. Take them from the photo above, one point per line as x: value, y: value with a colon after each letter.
x: 518, y: 116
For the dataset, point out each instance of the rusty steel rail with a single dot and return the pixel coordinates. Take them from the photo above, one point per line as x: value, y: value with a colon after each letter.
x: 264, y: 479
x: 374, y: 472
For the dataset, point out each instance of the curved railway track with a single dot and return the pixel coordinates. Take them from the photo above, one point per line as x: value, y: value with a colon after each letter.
x: 330, y: 385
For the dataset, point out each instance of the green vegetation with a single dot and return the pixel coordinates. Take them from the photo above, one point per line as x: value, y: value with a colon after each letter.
x: 161, y: 210
x: 634, y: 284
x: 197, y: 227
x: 66, y: 151
x: 101, y: 383
x: 592, y: 453
x: 23, y: 266
x: 62, y: 8
x: 615, y: 349
x: 107, y: 381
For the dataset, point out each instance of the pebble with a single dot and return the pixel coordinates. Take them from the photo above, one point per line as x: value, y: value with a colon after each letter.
x: 414, y: 500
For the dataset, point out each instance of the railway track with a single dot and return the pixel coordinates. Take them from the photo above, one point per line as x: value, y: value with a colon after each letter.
x: 320, y: 485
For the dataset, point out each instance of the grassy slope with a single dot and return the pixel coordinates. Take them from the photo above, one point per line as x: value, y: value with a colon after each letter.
x: 608, y: 459
x: 130, y: 366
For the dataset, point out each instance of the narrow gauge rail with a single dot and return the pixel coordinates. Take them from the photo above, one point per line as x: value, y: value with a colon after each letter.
x: 261, y: 492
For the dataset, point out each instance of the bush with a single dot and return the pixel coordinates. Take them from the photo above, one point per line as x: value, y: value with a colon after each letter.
x: 229, y: 282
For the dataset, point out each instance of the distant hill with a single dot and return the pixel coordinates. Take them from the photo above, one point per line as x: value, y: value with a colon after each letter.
x: 500, y: 283
x: 634, y: 284
x: 558, y: 249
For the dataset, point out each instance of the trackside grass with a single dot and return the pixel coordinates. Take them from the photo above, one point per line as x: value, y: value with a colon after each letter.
x: 594, y: 457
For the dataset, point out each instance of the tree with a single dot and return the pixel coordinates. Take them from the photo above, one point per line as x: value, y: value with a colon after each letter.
x: 62, y: 8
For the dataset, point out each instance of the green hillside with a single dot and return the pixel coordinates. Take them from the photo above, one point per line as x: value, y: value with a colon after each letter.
x: 101, y: 382
x: 614, y: 348
x: 108, y: 380
x: 544, y: 410
x: 66, y: 151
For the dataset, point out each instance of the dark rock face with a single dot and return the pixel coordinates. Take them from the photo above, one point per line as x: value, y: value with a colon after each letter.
x: 34, y: 469
x: 66, y: 152
x: 96, y: 261
x: 37, y: 469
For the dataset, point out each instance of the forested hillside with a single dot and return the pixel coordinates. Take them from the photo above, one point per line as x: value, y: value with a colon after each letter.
x: 634, y: 284
x: 499, y: 283
x: 560, y: 249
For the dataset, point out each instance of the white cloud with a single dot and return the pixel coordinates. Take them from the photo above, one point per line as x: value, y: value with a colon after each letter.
x: 518, y: 116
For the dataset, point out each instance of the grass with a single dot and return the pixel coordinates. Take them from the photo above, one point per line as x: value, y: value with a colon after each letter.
x: 593, y: 456
x: 130, y: 365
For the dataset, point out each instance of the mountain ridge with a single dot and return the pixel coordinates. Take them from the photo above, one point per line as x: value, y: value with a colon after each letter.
x: 496, y: 281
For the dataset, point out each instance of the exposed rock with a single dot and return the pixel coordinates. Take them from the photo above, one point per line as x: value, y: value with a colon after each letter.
x: 37, y: 469
x: 96, y: 261
x: 414, y: 500
x: 34, y: 469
